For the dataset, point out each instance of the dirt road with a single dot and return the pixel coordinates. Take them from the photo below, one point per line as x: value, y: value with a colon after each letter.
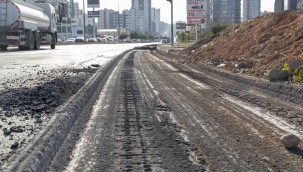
x: 154, y: 114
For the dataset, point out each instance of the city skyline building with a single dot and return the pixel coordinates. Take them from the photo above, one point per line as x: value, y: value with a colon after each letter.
x: 291, y: 5
x: 279, y: 5
x: 251, y: 9
x: 155, y: 21
x: 224, y: 11
x: 142, y: 13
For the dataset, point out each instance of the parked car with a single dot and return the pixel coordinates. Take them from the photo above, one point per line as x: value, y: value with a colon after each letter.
x: 104, y: 40
x: 94, y: 40
x: 79, y: 39
x: 70, y: 40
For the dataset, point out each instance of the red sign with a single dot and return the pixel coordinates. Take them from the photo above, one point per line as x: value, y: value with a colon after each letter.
x: 196, y: 11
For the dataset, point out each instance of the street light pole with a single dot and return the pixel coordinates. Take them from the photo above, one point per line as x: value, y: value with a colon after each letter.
x: 84, y: 21
x: 172, y: 23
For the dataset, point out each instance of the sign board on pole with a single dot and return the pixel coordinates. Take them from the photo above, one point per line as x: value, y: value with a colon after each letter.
x: 93, y: 3
x: 196, y: 11
x: 93, y: 13
x: 192, y: 29
x: 180, y: 25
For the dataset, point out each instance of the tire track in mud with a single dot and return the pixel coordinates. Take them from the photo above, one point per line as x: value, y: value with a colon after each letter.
x: 134, y: 135
x: 144, y: 143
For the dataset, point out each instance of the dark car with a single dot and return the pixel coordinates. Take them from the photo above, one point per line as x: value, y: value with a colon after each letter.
x: 79, y: 39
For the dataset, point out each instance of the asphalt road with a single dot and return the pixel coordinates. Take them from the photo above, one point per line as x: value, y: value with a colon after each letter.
x: 154, y: 114
x: 31, y: 68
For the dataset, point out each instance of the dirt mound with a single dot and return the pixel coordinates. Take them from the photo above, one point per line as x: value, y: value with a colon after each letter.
x: 266, y: 42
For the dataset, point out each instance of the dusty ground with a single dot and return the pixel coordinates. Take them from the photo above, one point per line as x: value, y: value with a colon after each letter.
x: 155, y: 114
x: 266, y: 42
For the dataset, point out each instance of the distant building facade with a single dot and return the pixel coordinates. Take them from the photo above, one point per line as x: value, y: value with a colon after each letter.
x: 223, y: 12
x: 279, y: 5
x: 251, y: 9
x: 292, y: 5
x: 142, y: 13
x: 155, y: 21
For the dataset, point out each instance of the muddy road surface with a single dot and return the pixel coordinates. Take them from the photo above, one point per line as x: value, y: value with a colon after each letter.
x: 151, y: 113
x: 154, y: 114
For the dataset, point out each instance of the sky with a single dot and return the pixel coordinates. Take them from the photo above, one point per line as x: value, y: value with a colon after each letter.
x: 164, y: 5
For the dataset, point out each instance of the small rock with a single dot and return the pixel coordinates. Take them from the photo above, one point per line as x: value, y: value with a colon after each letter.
x: 6, y: 132
x: 95, y: 65
x: 38, y: 121
x: 290, y: 141
x: 39, y: 107
x: 17, y: 129
x: 37, y: 115
x: 276, y: 74
x: 15, y: 145
x: 221, y: 65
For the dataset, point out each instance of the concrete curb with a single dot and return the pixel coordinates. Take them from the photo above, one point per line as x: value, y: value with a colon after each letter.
x: 38, y: 155
x: 290, y: 93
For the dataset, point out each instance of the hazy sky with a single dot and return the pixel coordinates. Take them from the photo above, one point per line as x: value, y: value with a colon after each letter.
x: 164, y: 5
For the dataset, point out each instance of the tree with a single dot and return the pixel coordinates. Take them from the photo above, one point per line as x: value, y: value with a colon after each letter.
x: 134, y: 35
x: 123, y: 36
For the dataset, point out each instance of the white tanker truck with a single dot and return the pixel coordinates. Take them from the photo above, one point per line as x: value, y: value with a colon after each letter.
x: 27, y: 25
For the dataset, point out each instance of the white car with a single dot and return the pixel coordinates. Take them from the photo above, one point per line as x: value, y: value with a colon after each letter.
x: 70, y: 40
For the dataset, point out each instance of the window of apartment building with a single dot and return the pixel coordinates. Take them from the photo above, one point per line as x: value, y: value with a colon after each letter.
x: 59, y: 29
x: 63, y: 29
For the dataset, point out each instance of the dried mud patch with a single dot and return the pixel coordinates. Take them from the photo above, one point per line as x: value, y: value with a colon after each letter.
x: 25, y: 111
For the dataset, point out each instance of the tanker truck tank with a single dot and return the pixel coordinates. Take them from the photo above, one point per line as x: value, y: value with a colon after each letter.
x: 27, y: 25
x: 20, y: 11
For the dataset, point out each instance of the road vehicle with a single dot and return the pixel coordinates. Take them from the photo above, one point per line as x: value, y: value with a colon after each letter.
x: 94, y: 40
x: 79, y: 39
x: 70, y: 40
x: 27, y: 25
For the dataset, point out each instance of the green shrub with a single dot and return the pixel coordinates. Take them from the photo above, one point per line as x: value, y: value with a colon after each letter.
x: 217, y: 28
x: 286, y: 67
x: 298, y: 75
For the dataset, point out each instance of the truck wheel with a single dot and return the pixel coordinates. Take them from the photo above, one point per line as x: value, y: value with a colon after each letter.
x: 38, y: 41
x: 37, y: 44
x: 31, y: 43
x: 53, y: 46
x: 3, y: 47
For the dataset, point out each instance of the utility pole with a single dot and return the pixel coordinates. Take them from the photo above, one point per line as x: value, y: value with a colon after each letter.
x: 118, y: 21
x: 172, y: 23
x: 84, y: 21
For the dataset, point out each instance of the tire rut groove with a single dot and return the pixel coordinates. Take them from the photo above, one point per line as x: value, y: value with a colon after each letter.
x: 135, y: 151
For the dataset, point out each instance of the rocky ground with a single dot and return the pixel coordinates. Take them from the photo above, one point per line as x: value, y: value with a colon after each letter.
x: 254, y: 47
x: 24, y: 111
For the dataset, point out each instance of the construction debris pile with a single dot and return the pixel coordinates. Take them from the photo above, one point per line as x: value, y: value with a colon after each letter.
x: 256, y: 47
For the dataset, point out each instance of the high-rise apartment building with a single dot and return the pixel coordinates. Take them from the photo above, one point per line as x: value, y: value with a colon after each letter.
x: 292, y: 5
x: 224, y: 11
x: 155, y: 21
x: 279, y: 5
x: 142, y: 12
x: 108, y: 19
x: 251, y: 9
